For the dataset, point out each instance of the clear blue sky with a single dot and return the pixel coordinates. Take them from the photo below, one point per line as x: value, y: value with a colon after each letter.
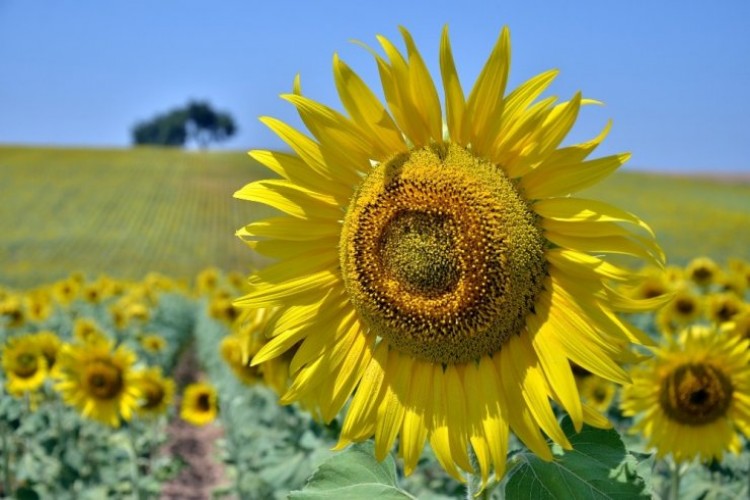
x: 674, y: 74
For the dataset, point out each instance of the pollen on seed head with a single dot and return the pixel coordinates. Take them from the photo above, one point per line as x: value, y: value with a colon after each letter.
x: 441, y: 255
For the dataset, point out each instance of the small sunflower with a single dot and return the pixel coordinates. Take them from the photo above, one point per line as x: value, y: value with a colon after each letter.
x: 99, y: 382
x: 153, y: 343
x: 38, y: 305
x: 723, y: 307
x: 66, y: 291
x: 691, y: 398
x: 157, y: 392
x: 24, y: 364
x: 444, y: 279
x: 49, y: 345
x: 685, y: 308
x: 199, y: 404
x: 88, y: 331
x: 702, y: 271
x: 597, y: 391
x: 12, y: 311
x: 222, y: 308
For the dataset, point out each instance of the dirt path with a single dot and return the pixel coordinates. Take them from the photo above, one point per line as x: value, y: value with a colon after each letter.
x: 195, y: 446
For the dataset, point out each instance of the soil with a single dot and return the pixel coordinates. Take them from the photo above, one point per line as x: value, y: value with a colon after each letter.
x: 195, y: 446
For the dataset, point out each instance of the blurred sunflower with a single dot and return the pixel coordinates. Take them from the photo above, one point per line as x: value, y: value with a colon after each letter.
x: 153, y: 343
x: 231, y: 349
x: 685, y: 307
x: 24, y: 364
x: 703, y: 271
x: 199, y: 404
x: 723, y: 307
x: 446, y: 279
x: 691, y: 398
x: 49, y: 346
x: 65, y: 291
x: 156, y: 391
x: 98, y: 381
x: 12, y: 312
x: 88, y: 331
x: 597, y: 391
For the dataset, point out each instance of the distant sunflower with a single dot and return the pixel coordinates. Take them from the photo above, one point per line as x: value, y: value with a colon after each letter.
x: 24, y: 364
x: 444, y: 279
x: 49, y: 345
x: 597, y: 391
x: 685, y: 308
x: 691, y: 398
x: 88, y: 331
x: 99, y: 382
x: 723, y: 307
x: 157, y: 392
x: 703, y: 271
x: 199, y: 404
x: 231, y: 349
x: 153, y: 343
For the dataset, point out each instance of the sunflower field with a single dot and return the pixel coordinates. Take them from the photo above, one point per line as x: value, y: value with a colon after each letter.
x: 434, y: 296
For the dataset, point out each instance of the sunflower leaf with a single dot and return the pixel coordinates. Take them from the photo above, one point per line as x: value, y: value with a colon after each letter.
x: 598, y: 467
x: 353, y: 474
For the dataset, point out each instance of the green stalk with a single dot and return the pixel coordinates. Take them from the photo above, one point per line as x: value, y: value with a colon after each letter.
x: 675, y: 476
x: 134, y: 463
x: 7, y: 486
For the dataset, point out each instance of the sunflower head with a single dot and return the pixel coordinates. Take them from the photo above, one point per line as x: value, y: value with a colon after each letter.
x: 597, y: 392
x: 443, y: 275
x: 231, y: 349
x: 153, y: 343
x: 723, y: 307
x: 12, y: 311
x: 65, y: 291
x: 88, y: 331
x: 99, y: 381
x: 688, y: 399
x: 199, y: 404
x: 702, y: 271
x: 49, y: 345
x: 38, y: 305
x: 24, y: 364
x: 156, y: 392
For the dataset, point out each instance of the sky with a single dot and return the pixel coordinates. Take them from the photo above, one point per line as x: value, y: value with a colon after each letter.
x: 674, y: 75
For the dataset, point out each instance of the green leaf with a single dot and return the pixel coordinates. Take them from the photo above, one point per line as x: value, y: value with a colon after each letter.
x: 353, y: 474
x: 598, y: 467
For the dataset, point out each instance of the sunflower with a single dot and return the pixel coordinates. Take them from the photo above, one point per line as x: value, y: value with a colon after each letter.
x: 446, y: 280
x: 88, y: 331
x: 684, y: 308
x: 703, y: 271
x: 153, y: 343
x: 596, y: 391
x: 723, y: 307
x: 199, y: 404
x: 692, y: 396
x: 49, y: 346
x: 24, y: 364
x: 156, y: 391
x: 231, y: 350
x: 98, y: 381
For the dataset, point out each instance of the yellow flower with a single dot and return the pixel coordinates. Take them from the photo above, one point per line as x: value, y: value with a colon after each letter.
x: 703, y: 271
x: 11, y: 311
x: 66, y: 291
x: 24, y: 364
x: 739, y: 326
x: 222, y: 308
x: 723, y: 307
x: 153, y: 344
x: 199, y: 404
x: 49, y: 346
x: 156, y: 391
x: 684, y: 308
x: 597, y: 392
x: 691, y: 397
x: 87, y: 331
x: 446, y: 280
x: 38, y: 305
x: 99, y: 382
x: 207, y: 281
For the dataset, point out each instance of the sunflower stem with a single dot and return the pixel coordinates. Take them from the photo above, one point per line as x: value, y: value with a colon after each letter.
x: 675, y: 472
x: 7, y: 486
x: 134, y: 463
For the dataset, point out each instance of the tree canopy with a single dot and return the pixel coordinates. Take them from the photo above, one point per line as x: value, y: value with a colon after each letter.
x: 197, y: 122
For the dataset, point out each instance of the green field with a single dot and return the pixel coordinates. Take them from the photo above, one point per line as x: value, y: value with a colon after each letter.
x: 127, y: 212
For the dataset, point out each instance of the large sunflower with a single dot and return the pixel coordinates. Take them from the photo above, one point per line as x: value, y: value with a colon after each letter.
x: 98, y: 381
x: 442, y: 275
x: 692, y: 396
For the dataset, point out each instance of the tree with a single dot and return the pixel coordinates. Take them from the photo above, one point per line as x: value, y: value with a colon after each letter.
x: 197, y: 122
